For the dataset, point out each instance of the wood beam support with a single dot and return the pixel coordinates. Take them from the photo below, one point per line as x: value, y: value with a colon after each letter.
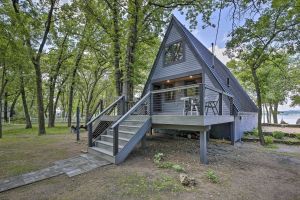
x: 203, y: 148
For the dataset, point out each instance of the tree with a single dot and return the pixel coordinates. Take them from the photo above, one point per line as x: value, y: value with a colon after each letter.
x: 276, y: 78
x: 259, y: 40
x: 36, y: 54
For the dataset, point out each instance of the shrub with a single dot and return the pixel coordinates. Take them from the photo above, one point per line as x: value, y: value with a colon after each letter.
x: 165, y: 165
x: 178, y: 168
x: 255, y: 132
x: 158, y: 157
x: 212, y: 176
x: 298, y: 136
x: 269, y: 140
x: 278, y: 134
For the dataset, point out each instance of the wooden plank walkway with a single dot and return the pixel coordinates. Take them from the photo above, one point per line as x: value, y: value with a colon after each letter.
x: 71, y: 167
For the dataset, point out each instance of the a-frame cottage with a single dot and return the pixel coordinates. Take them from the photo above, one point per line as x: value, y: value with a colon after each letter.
x: 187, y: 89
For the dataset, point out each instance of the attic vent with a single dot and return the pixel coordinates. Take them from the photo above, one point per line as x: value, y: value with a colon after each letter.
x: 228, y: 83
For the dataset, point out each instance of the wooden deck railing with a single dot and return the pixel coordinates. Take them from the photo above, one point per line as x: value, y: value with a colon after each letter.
x: 99, y: 124
x: 141, y: 108
x: 196, y: 99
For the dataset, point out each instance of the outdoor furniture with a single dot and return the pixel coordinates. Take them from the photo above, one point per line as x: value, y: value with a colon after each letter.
x: 190, y: 104
x: 194, y: 106
x: 186, y: 105
x: 212, y: 104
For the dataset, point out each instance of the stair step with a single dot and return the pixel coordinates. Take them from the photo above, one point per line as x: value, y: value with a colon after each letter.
x: 129, y: 126
x: 102, y: 153
x: 120, y: 138
x: 123, y: 133
x: 132, y: 122
x: 109, y: 138
x: 106, y: 145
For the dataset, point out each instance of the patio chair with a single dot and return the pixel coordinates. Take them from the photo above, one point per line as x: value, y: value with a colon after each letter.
x: 186, y: 105
x: 211, y: 104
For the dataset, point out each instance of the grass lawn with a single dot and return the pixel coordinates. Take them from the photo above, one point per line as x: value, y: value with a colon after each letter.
x: 22, y: 150
x: 246, y: 171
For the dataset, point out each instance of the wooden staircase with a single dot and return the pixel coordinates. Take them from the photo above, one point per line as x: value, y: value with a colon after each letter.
x: 125, y: 131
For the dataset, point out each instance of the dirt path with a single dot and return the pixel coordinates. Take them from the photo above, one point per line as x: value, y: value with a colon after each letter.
x: 248, y: 171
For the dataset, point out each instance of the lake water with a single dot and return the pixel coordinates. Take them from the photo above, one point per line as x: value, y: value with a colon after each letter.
x: 290, y: 118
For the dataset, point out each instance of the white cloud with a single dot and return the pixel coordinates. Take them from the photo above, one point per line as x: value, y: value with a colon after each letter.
x: 219, y: 53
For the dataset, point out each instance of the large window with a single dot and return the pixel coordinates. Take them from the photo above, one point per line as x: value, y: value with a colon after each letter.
x: 173, y: 53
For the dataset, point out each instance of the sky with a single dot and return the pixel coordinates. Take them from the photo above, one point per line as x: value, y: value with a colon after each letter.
x: 207, y: 36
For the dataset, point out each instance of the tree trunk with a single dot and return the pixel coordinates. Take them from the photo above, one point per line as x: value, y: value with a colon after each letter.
x: 12, y: 107
x: 52, y: 83
x: 131, y: 50
x: 87, y: 112
x: 117, y: 48
x: 39, y: 98
x: 71, y: 92
x: 24, y: 101
x: 267, y: 113
x: 5, y: 110
x: 4, y: 82
x: 51, y: 103
x: 270, y: 113
x: 275, y: 112
x: 0, y: 116
x: 258, y: 95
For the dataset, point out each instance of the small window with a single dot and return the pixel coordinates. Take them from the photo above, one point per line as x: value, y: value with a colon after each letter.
x: 228, y: 83
x: 169, y: 96
x: 173, y: 53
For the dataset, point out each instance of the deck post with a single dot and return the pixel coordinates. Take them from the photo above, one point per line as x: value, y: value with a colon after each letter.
x: 232, y: 133
x: 77, y: 123
x: 116, y: 140
x: 201, y: 97
x: 90, y: 134
x: 203, y: 148
x: 143, y: 142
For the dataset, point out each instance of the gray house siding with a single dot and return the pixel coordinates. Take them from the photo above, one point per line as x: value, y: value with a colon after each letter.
x: 190, y: 63
x: 198, y: 60
x: 244, y: 121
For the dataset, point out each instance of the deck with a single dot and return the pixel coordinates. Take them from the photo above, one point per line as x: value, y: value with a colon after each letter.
x: 185, y: 122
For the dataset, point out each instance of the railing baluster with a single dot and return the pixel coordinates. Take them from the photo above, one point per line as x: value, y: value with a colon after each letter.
x: 116, y: 140
x: 90, y: 134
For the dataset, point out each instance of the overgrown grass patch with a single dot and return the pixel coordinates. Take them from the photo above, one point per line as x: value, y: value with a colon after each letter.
x: 19, y: 129
x: 278, y: 135
x: 22, y: 150
x: 158, y: 160
x: 212, y: 176
x: 136, y: 185
x: 271, y: 146
x: 269, y: 140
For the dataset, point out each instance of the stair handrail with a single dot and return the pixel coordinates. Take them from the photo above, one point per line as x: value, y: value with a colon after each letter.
x: 131, y: 110
x: 115, y: 126
x: 105, y: 110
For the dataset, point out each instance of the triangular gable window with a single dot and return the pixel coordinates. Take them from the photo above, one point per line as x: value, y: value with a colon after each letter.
x: 174, y: 53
